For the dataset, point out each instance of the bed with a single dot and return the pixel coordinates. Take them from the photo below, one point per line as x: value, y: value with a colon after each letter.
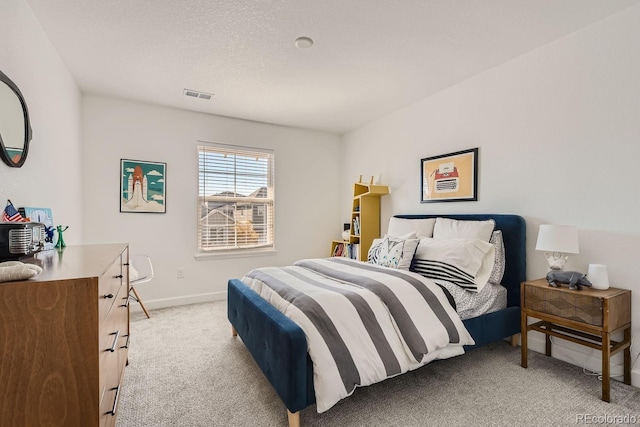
x: 279, y: 345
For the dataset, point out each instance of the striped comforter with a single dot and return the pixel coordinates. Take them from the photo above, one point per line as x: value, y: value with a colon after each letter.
x: 363, y: 322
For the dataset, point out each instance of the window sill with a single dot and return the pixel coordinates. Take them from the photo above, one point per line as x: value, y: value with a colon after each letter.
x: 235, y: 254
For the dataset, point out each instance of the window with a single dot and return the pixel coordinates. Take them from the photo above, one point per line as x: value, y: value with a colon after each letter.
x: 235, y: 198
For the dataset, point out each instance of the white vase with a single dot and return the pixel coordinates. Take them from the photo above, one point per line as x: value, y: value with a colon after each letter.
x: 597, y: 275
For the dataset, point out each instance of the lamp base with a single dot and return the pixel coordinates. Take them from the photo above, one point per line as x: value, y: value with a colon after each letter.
x: 556, y: 260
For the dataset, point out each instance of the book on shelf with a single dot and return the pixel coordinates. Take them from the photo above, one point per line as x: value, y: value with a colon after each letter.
x: 337, y: 251
x: 347, y: 250
x: 356, y: 225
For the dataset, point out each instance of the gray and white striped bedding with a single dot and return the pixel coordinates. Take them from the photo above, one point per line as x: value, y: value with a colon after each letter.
x: 363, y: 322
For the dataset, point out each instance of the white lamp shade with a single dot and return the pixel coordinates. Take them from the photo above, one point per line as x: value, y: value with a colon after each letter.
x: 558, y: 238
x: 598, y: 276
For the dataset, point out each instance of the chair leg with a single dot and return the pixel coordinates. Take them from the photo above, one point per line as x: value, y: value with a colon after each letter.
x: 140, y: 302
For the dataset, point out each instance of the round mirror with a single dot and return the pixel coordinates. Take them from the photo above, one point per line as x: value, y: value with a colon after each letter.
x: 15, y: 129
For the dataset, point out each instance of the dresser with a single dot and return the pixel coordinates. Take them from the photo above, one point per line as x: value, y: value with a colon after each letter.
x: 587, y: 316
x: 64, y: 338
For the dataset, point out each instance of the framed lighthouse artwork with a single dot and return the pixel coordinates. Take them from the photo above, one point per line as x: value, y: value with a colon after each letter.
x: 143, y: 186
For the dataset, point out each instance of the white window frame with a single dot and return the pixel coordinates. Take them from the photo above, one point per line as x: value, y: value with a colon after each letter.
x: 225, y: 236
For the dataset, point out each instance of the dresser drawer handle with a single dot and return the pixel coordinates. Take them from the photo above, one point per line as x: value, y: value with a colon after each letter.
x: 108, y: 296
x: 126, y: 345
x: 114, y: 408
x: 119, y: 276
x: 126, y: 302
x: 115, y: 341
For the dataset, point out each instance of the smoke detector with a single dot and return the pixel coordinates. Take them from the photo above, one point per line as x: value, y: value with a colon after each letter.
x: 197, y: 94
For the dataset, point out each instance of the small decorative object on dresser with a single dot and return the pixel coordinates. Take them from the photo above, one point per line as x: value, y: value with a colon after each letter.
x: 60, y: 243
x: 15, y: 270
x: 44, y: 216
x: 589, y: 317
x: 598, y: 276
x: 574, y: 279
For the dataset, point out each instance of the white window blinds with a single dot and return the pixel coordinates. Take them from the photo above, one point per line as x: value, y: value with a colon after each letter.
x: 235, y: 198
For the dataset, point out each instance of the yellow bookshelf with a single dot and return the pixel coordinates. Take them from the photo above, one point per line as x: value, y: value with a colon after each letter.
x: 365, y: 218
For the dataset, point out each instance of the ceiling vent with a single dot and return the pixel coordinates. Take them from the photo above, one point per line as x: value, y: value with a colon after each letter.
x: 196, y: 94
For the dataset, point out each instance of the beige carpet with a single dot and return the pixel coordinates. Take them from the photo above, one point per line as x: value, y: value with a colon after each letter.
x: 186, y: 370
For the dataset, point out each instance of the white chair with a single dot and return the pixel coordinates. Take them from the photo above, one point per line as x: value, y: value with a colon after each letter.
x: 140, y: 271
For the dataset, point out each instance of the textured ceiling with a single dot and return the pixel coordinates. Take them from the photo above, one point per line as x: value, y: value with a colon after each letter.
x: 370, y: 57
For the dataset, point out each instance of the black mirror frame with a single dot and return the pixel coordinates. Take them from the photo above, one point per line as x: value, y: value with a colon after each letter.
x: 27, y: 126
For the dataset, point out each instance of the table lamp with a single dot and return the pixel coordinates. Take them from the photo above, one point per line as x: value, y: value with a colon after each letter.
x: 556, y: 241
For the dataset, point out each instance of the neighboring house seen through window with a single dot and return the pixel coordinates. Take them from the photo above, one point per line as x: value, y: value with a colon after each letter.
x: 235, y: 198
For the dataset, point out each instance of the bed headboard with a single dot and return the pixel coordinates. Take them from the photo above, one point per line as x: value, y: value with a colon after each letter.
x: 514, y: 235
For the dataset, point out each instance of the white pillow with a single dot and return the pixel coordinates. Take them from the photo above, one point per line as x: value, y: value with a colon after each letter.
x: 464, y: 262
x: 423, y: 227
x: 396, y: 253
x: 447, y: 228
x: 486, y: 268
x: 498, y: 267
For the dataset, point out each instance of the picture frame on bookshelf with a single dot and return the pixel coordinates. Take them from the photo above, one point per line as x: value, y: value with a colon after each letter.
x: 142, y: 186
x: 451, y: 177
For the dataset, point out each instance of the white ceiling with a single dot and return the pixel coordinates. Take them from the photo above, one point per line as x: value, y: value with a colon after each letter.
x: 370, y: 57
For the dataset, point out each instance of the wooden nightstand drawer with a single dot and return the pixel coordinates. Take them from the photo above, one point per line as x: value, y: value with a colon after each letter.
x: 574, y: 306
x: 607, y: 309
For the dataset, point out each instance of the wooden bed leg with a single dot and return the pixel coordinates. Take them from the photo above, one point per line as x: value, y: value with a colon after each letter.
x: 234, y: 332
x: 514, y: 340
x: 294, y: 418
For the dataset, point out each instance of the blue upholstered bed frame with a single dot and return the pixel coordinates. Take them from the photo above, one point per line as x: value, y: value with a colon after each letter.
x: 279, y: 346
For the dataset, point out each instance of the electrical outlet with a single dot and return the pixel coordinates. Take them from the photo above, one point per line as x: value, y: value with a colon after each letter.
x: 181, y: 273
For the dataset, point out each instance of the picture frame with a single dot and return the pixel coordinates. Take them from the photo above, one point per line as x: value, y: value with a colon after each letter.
x: 143, y: 186
x: 451, y: 177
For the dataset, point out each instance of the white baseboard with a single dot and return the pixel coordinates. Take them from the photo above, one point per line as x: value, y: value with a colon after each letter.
x: 176, y: 301
x: 581, y: 356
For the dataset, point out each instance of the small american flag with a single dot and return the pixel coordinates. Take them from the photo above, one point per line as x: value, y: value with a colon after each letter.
x: 11, y: 214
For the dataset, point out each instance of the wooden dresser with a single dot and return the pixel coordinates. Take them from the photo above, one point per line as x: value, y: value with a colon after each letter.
x: 64, y: 338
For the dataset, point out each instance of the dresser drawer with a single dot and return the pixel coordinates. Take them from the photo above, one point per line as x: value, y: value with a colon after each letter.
x: 114, y: 330
x: 112, y: 367
x: 108, y: 287
x: 110, y: 392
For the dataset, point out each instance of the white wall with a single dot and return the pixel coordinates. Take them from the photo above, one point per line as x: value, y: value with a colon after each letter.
x: 307, y: 192
x: 559, y: 137
x: 52, y: 174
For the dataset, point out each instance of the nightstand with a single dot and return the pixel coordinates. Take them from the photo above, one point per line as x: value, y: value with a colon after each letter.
x: 588, y: 317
